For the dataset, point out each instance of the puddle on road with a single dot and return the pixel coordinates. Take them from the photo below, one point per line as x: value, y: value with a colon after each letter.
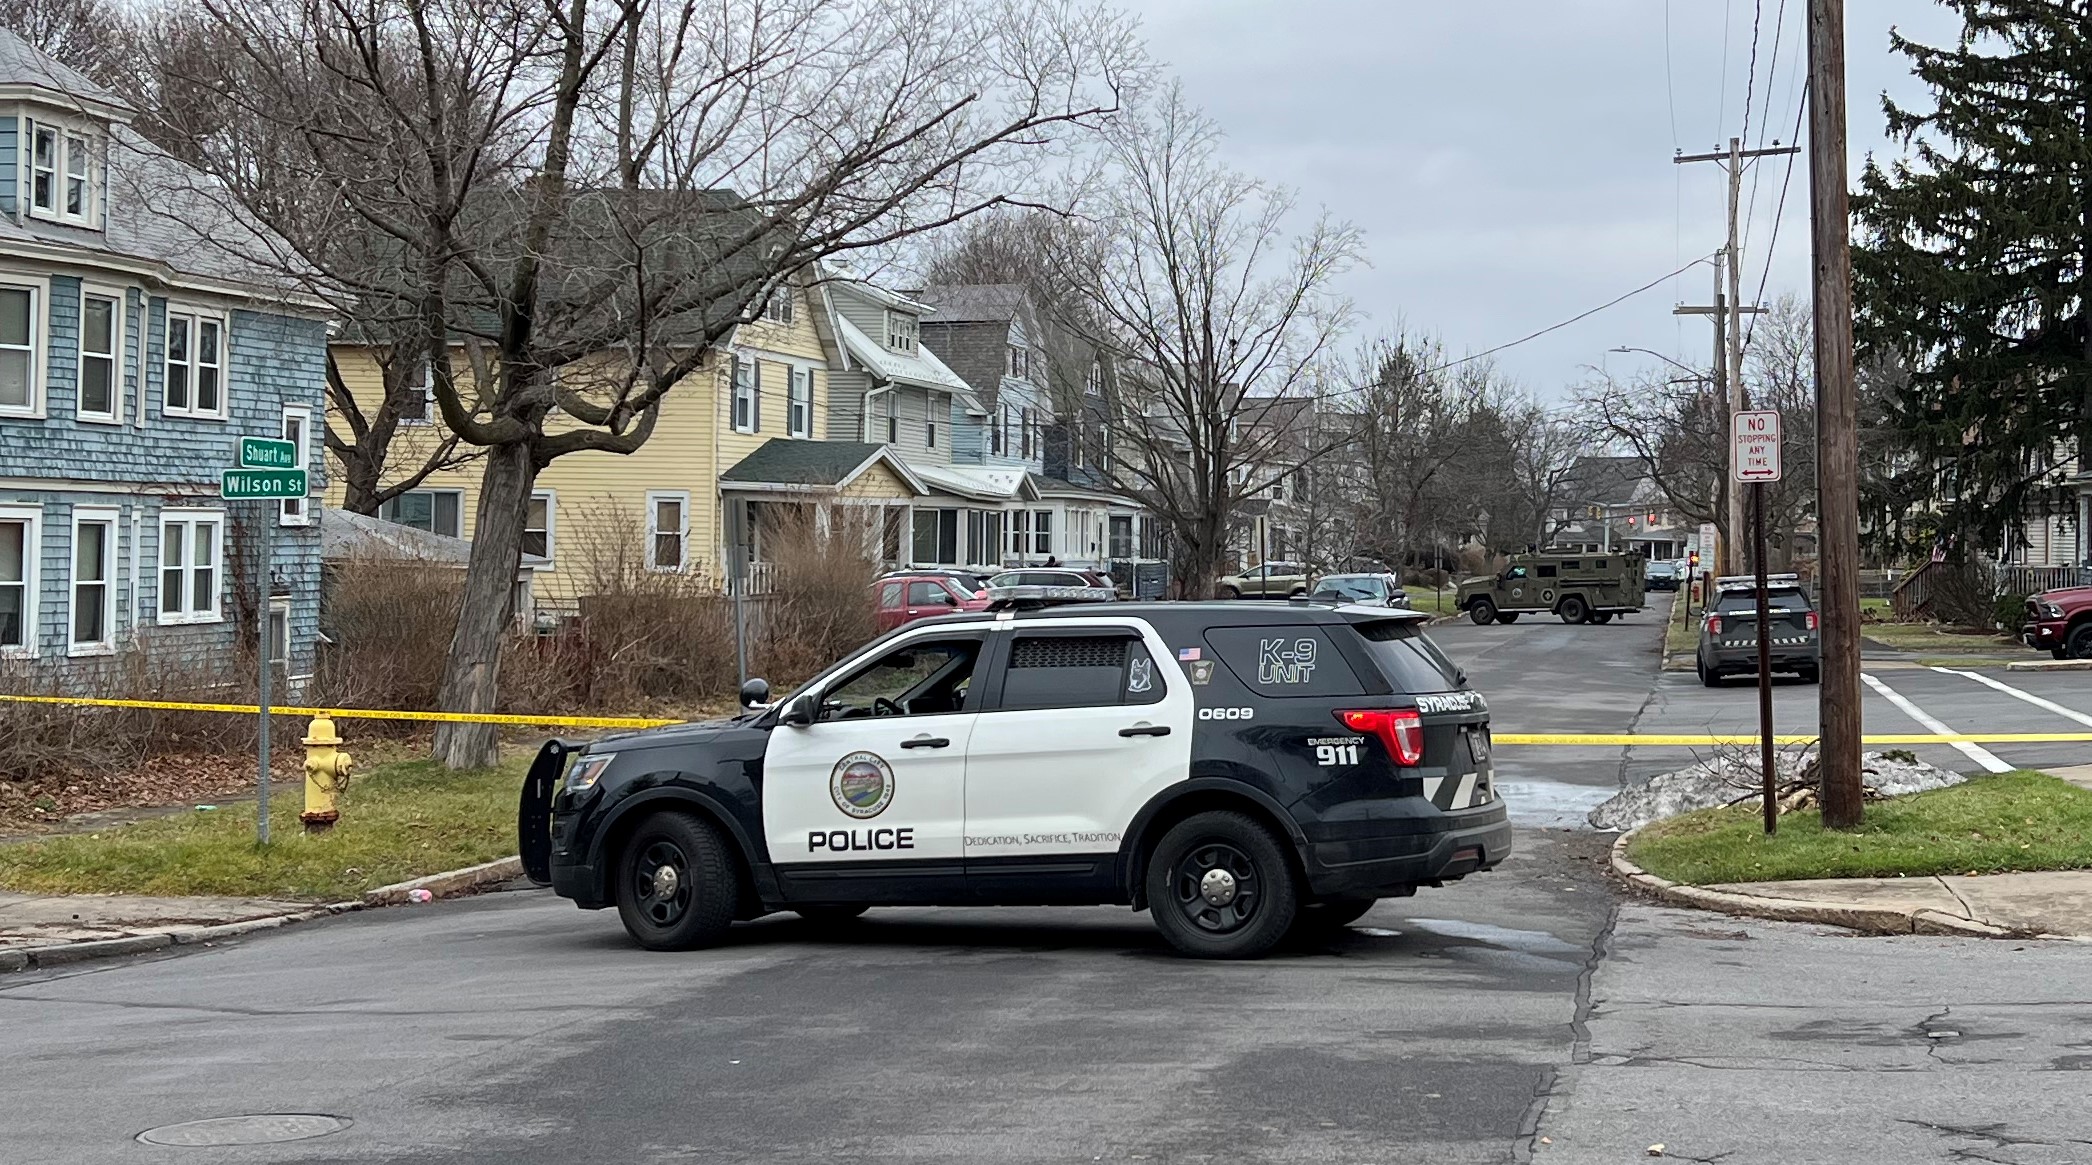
x: 1551, y: 803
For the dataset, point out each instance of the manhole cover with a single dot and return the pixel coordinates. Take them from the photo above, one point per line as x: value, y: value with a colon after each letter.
x: 262, y: 1129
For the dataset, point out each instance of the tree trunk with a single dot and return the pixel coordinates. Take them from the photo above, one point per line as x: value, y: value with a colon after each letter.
x: 472, y: 673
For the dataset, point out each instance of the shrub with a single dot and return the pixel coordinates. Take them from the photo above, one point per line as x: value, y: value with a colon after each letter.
x: 820, y: 602
x: 2010, y: 614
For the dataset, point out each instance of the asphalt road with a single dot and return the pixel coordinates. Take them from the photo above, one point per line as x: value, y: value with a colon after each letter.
x: 1517, y: 1014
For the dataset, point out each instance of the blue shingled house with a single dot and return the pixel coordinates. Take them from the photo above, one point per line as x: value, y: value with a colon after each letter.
x: 141, y: 335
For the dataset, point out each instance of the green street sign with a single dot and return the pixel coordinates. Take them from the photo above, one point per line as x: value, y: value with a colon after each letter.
x: 268, y: 453
x: 247, y: 484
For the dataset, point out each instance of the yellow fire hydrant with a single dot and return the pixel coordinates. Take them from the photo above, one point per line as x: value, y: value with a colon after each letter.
x: 326, y: 775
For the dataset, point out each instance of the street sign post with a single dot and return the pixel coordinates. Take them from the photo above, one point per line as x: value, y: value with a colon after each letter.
x: 1756, y: 458
x: 267, y: 472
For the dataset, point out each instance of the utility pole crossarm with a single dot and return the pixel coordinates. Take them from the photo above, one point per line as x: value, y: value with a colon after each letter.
x: 1693, y: 310
x: 1725, y: 155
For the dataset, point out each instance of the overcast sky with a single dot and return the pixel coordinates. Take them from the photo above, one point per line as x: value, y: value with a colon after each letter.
x: 1510, y: 160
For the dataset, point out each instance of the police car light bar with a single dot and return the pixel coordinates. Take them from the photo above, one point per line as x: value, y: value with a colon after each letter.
x: 1738, y: 582
x: 1033, y: 595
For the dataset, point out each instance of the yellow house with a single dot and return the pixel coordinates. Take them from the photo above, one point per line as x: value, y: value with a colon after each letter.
x: 751, y: 424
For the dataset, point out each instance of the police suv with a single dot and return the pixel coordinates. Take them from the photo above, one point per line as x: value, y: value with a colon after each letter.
x: 1238, y: 769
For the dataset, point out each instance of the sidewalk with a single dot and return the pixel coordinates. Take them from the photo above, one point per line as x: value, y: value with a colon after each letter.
x: 44, y: 930
x: 2046, y: 904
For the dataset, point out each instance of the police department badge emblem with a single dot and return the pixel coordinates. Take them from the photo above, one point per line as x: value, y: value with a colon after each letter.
x: 861, y: 784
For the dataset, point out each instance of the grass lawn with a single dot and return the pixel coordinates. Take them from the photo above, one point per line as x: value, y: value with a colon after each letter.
x: 2012, y: 821
x: 1682, y: 635
x: 1929, y: 637
x: 401, y: 820
x: 1878, y: 608
x: 1435, y: 602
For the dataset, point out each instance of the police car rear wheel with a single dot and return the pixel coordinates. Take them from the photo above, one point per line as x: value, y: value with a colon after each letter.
x: 1220, y: 888
x: 676, y: 887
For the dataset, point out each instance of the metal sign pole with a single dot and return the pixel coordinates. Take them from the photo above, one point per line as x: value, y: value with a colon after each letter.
x: 1772, y: 809
x: 268, y: 559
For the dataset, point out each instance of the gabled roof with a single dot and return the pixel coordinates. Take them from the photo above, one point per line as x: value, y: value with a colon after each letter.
x: 24, y: 69
x: 819, y: 465
x: 977, y: 304
x: 920, y: 368
x: 1608, y: 481
x: 1054, y: 487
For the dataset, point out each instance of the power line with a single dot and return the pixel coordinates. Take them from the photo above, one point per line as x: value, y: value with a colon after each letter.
x: 1578, y: 318
x: 1779, y: 28
x: 1750, y: 79
x: 1779, y: 212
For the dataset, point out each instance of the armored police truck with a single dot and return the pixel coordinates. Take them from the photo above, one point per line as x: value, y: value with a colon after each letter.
x: 1580, y: 588
x: 1240, y: 770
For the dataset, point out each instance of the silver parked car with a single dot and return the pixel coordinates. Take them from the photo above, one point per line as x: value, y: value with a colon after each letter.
x: 1372, y: 590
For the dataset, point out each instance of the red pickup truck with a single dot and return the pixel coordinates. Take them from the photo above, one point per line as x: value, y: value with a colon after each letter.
x: 2061, y: 622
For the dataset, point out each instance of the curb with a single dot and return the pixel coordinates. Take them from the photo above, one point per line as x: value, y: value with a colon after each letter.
x: 447, y: 883
x: 2049, y: 665
x: 1879, y: 920
x: 443, y: 885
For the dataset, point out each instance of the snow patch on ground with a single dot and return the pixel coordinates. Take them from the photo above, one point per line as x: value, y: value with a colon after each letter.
x: 1734, y: 777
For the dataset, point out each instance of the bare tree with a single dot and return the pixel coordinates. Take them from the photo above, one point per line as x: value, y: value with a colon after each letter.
x: 582, y: 198
x: 1220, y: 318
x: 1544, y: 447
x: 88, y: 35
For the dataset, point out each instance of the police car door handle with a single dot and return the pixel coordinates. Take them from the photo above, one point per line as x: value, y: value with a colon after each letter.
x: 926, y: 742
x: 1145, y: 730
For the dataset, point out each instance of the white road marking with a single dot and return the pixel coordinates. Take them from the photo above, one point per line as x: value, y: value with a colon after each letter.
x: 1974, y: 752
x: 2015, y: 693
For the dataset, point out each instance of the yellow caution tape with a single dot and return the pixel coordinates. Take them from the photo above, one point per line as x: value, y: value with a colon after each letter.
x: 1663, y: 739
x: 1568, y: 739
x: 355, y: 713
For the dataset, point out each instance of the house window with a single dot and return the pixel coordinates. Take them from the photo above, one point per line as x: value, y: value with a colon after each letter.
x: 93, y: 623
x: 900, y: 331
x: 744, y: 396
x: 101, y: 337
x: 439, y: 511
x: 893, y: 422
x: 1093, y: 380
x: 930, y: 420
x: 192, y: 556
x: 799, y: 419
x: 62, y: 174
x: 195, y: 366
x: 778, y: 308
x: 19, y: 375
x: 43, y: 171
x: 1121, y: 537
x: 1019, y: 360
x: 997, y: 425
x: 1076, y: 444
x: 1024, y: 432
x: 297, y: 429
x: 668, y: 530
x: 537, y: 525
x: 417, y: 392
x: 279, y: 632
x: 1042, y: 531
x: 19, y: 548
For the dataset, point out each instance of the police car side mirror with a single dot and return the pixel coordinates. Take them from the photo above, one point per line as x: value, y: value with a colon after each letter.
x: 755, y: 693
x: 799, y: 713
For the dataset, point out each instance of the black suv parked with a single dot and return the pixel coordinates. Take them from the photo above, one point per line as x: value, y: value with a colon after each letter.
x: 1238, y: 769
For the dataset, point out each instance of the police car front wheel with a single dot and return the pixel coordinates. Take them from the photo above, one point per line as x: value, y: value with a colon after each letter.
x: 1220, y: 887
x: 676, y: 885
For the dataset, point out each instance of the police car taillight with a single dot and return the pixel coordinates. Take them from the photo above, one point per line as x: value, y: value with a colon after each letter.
x: 1714, y: 624
x: 1401, y: 730
x: 1812, y: 620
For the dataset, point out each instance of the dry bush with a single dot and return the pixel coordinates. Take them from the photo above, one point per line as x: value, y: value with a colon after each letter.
x: 391, y: 624
x: 46, y: 742
x: 1965, y: 595
x: 820, y: 603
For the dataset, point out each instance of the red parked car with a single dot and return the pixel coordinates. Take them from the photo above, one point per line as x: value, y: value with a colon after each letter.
x: 2060, y: 622
x: 905, y: 597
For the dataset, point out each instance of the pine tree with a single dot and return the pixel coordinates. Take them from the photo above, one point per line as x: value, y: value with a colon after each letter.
x: 1974, y: 262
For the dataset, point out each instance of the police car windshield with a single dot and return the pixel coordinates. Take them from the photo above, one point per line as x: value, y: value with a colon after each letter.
x: 1407, y: 657
x: 1746, y: 602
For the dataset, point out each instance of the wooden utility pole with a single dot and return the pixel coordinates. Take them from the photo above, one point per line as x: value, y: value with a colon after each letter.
x: 1837, y: 422
x: 1726, y: 558
x: 1733, y: 160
